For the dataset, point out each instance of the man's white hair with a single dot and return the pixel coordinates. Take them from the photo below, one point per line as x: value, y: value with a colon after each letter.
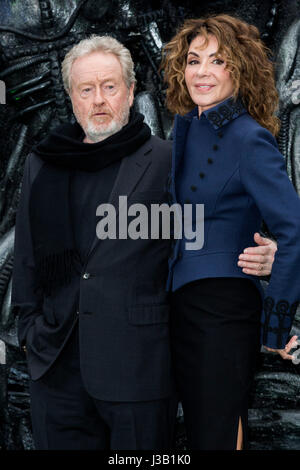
x: 95, y: 43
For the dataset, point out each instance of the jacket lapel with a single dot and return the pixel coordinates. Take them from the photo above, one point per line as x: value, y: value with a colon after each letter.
x: 132, y: 169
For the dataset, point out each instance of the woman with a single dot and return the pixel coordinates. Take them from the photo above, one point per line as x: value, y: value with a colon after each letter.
x: 225, y: 157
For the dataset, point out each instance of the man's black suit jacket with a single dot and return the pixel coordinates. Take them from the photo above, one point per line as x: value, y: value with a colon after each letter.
x: 122, y: 306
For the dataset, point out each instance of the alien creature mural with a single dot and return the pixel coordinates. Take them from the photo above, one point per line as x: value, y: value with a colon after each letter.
x: 34, y: 37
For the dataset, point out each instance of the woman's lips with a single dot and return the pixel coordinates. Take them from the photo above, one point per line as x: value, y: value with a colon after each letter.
x: 203, y: 87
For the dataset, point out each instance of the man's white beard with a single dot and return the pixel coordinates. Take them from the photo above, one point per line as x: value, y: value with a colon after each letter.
x: 95, y: 134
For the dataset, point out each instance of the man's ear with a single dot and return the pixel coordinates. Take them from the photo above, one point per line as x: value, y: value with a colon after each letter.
x: 131, y: 94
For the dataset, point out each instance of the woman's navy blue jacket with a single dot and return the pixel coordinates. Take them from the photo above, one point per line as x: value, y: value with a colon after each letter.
x: 235, y: 169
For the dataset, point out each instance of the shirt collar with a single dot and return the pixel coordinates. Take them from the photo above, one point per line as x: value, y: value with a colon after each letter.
x: 222, y: 113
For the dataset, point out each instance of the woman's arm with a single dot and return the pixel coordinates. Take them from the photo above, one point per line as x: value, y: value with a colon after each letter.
x: 263, y: 174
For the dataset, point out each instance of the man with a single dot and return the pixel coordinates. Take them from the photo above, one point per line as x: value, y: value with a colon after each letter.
x: 93, y: 314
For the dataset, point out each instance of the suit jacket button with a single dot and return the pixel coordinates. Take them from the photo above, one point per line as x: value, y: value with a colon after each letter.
x: 86, y: 276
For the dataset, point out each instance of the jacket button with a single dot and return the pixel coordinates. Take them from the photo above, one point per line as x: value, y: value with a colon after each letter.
x: 215, y: 147
x: 86, y: 276
x: 210, y: 161
x: 193, y: 188
x: 201, y: 175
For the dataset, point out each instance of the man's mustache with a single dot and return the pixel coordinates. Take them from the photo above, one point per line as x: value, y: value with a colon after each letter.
x: 100, y: 111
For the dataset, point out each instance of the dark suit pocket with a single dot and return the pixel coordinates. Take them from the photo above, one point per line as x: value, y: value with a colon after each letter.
x: 151, y: 292
x: 149, y: 314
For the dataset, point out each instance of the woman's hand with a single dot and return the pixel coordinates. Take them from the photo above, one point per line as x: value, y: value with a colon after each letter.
x: 258, y: 260
x: 284, y: 353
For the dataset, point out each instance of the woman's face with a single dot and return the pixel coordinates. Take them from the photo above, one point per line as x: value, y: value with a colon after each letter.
x: 206, y: 79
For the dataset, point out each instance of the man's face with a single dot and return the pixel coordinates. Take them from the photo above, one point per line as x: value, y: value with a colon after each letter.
x: 100, y: 98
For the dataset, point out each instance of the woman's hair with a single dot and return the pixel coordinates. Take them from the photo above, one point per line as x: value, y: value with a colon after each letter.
x: 95, y: 43
x: 247, y: 60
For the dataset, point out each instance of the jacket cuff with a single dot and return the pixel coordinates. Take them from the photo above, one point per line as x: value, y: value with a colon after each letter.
x: 277, y: 321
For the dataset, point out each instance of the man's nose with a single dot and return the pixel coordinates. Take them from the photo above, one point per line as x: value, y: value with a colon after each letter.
x: 99, y: 96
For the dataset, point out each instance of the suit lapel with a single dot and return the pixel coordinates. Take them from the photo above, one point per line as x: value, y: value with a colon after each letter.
x: 132, y: 169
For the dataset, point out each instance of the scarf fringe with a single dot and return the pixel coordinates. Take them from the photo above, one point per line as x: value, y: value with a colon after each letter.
x: 56, y: 270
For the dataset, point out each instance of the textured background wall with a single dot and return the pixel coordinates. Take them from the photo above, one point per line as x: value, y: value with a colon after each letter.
x: 34, y: 37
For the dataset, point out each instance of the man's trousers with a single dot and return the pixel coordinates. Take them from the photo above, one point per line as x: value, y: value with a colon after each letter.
x: 65, y: 416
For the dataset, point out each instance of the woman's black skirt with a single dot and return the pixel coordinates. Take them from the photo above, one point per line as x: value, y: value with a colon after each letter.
x: 215, y: 329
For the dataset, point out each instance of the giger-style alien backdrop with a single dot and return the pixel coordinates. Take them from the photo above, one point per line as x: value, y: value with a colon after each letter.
x: 34, y: 37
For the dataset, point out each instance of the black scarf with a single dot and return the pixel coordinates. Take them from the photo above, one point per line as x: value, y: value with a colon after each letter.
x: 56, y: 256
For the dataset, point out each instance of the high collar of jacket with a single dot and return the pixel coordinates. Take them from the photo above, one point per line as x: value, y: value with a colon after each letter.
x: 221, y: 114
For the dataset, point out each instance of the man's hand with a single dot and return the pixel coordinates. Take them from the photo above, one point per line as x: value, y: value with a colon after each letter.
x: 258, y: 260
x: 284, y: 353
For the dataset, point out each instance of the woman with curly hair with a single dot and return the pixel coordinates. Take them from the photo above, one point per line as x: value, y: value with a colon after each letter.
x: 225, y: 156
